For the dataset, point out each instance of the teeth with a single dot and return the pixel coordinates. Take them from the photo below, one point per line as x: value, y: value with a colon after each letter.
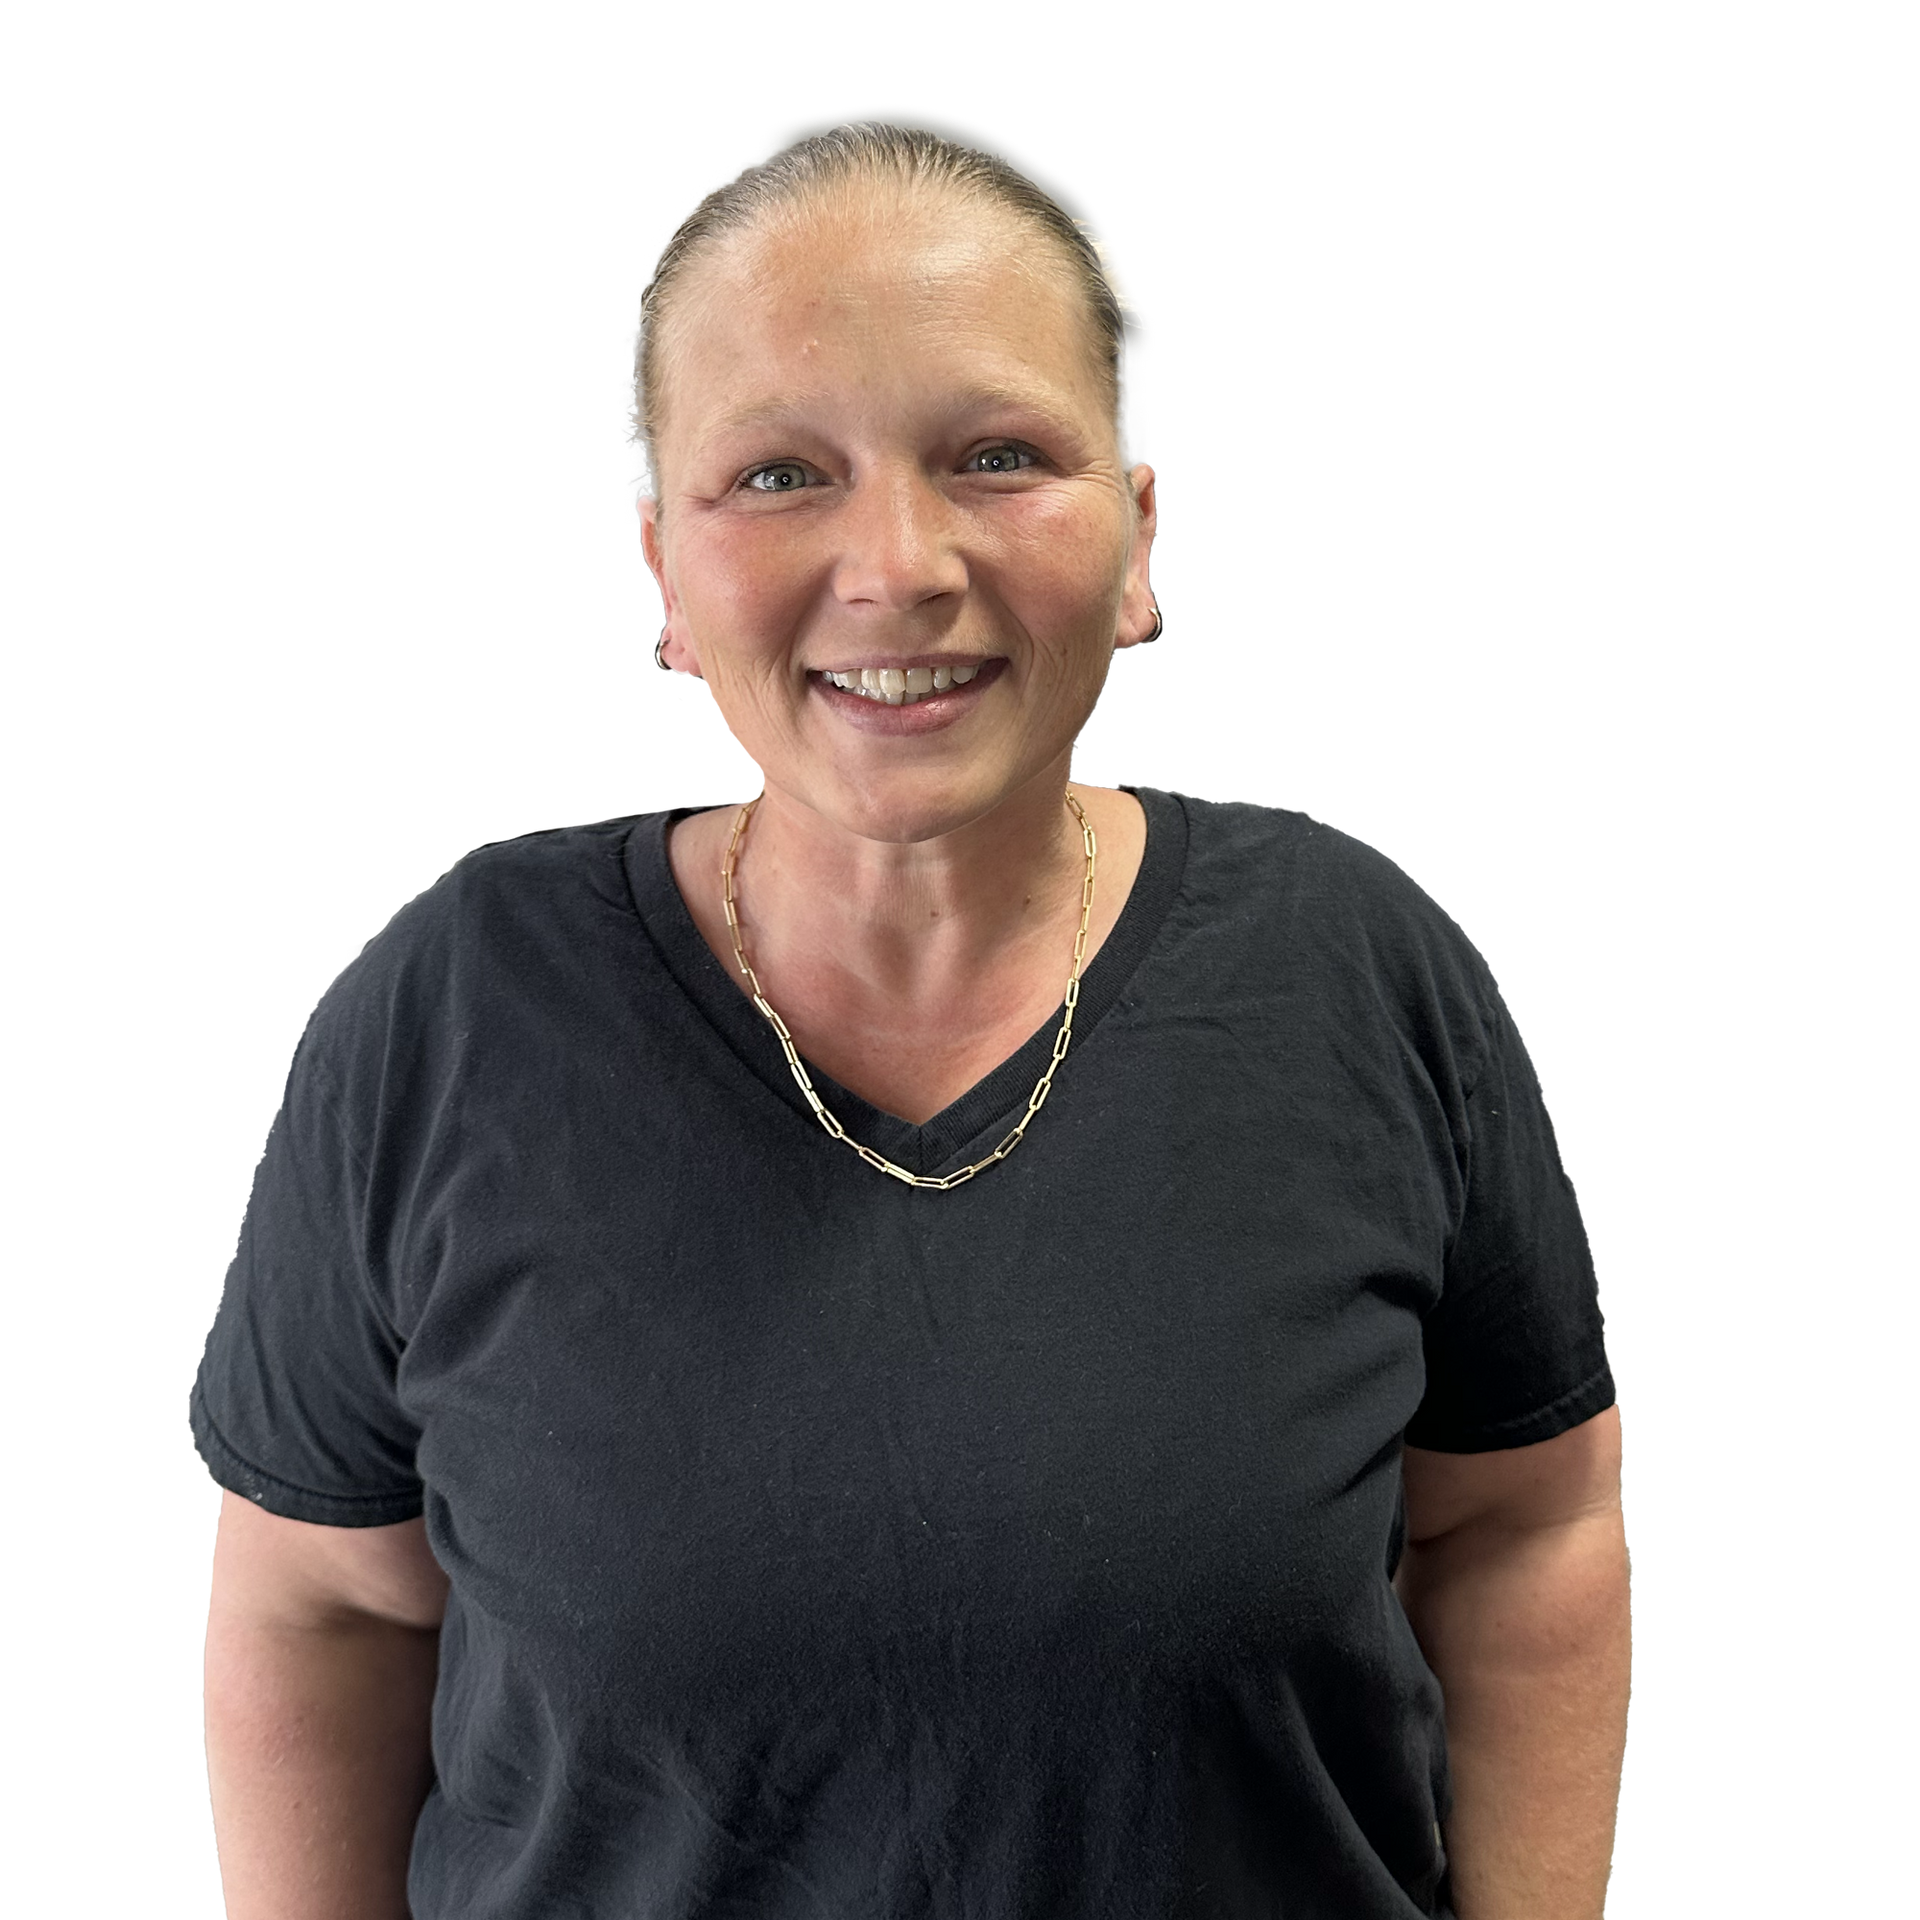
x: 899, y: 686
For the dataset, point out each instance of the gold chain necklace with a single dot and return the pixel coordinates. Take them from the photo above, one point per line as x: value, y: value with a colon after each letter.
x: 821, y: 1111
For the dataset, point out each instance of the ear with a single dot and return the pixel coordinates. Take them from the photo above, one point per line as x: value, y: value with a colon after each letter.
x: 676, y: 649
x: 1136, y: 602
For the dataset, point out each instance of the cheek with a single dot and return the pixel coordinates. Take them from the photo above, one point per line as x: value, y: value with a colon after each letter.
x: 747, y: 567
x: 1068, y: 544
x: 1068, y: 580
x: 747, y: 588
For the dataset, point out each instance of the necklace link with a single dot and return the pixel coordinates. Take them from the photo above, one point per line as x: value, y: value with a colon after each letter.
x: 944, y: 1183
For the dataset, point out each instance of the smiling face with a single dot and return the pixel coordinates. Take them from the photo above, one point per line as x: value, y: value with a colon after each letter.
x: 892, y: 531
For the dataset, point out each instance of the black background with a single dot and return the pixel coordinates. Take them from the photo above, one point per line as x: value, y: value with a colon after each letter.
x: 1412, y: 415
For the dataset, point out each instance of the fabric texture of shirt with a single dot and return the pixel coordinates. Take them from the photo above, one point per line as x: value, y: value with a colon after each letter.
x: 820, y: 1547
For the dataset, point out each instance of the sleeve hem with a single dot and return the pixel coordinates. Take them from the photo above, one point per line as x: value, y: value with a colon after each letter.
x: 239, y: 1475
x: 1593, y: 1395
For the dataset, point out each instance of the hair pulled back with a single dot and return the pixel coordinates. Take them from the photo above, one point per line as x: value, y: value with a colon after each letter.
x: 866, y: 154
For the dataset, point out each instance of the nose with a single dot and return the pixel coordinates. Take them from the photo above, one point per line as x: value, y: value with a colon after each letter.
x: 899, y: 550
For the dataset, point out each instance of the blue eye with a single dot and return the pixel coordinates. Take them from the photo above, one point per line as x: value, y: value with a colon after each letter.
x: 1008, y: 446
x: 774, y: 467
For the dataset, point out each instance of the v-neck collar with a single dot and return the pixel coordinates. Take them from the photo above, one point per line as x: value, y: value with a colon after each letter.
x: 949, y: 1138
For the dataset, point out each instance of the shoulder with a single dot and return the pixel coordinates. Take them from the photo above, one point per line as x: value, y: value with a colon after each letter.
x: 1274, y: 859
x: 1277, y: 893
x: 446, y: 949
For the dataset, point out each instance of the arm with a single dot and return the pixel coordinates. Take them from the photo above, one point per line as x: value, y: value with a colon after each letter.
x: 1529, y: 1631
x: 322, y: 1644
x: 319, y: 1759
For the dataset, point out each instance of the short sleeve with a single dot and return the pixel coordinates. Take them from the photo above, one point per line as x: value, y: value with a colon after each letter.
x: 295, y: 1405
x: 1514, y: 1347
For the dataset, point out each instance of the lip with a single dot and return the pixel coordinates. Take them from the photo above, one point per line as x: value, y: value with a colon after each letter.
x: 900, y: 662
x: 928, y: 714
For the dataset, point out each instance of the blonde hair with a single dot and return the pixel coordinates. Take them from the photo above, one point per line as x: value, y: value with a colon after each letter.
x: 867, y: 151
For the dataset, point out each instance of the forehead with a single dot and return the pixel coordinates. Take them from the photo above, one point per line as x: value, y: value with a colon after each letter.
x: 876, y: 288
x: 870, y: 242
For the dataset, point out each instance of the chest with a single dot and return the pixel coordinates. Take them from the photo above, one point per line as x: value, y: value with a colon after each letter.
x: 917, y: 1065
x: 913, y: 1041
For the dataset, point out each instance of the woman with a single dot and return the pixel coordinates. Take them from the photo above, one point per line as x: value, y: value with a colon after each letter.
x: 820, y: 1426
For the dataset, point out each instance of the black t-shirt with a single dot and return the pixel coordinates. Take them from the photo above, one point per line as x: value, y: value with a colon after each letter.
x: 824, y: 1548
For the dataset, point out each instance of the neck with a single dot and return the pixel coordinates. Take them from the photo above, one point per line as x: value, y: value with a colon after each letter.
x: 908, y: 920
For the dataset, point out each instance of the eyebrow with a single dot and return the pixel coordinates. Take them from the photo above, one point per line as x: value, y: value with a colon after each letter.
x: 778, y: 413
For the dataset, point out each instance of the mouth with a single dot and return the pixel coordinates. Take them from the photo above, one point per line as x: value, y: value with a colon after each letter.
x: 941, y: 682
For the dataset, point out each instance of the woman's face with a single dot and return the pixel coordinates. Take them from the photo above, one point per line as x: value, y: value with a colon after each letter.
x: 886, y: 450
